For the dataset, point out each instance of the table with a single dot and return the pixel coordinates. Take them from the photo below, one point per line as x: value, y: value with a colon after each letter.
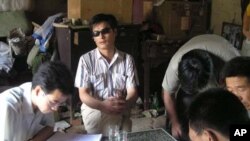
x: 151, y: 135
x: 158, y: 134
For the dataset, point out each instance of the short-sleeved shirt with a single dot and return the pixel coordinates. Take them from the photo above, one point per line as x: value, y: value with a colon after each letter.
x: 18, y: 121
x: 103, y: 78
x: 211, y: 43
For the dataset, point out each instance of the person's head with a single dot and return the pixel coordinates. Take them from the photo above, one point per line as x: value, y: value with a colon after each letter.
x: 52, y: 84
x: 212, y: 112
x: 236, y: 78
x: 195, y: 70
x: 104, y: 30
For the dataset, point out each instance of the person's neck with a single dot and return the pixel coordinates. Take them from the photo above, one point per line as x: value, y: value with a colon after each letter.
x: 34, y: 106
x: 107, y: 53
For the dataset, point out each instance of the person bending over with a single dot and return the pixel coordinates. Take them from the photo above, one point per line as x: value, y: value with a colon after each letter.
x: 193, y: 68
x: 26, y: 110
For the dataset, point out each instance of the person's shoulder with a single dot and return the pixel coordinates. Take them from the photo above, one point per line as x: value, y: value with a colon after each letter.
x: 89, y: 54
x: 15, y: 95
x: 124, y: 54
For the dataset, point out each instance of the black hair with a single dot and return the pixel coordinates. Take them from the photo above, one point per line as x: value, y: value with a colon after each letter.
x: 194, y: 70
x: 110, y: 19
x: 216, y: 109
x: 238, y: 66
x: 54, y: 75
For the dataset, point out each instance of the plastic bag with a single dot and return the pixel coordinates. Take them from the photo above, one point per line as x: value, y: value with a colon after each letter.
x: 44, y: 33
x: 6, y: 59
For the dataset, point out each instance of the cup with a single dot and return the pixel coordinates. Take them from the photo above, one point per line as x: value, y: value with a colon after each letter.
x: 122, y: 136
x: 113, y: 132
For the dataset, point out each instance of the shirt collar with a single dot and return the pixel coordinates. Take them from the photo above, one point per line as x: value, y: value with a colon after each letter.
x: 117, y: 54
x: 98, y: 54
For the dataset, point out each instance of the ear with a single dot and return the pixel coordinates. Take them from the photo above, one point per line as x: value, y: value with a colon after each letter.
x: 37, y: 90
x: 210, y: 135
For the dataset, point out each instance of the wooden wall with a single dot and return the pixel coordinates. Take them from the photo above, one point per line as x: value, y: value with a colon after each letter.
x: 42, y: 9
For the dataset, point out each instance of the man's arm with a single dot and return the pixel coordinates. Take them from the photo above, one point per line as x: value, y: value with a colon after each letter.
x: 132, y: 96
x: 111, y: 105
x: 43, y: 134
x: 171, y: 113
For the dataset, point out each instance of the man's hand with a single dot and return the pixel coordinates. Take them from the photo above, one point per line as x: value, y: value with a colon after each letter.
x: 176, y: 130
x: 114, y: 105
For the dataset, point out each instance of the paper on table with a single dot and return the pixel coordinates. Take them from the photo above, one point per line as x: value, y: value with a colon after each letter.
x: 61, y: 125
x: 75, y: 137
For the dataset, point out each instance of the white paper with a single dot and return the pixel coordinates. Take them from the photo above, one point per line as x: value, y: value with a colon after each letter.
x: 61, y: 125
x: 75, y: 137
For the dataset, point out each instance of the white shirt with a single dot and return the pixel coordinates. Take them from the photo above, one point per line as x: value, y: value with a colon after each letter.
x: 103, y: 78
x: 18, y: 122
x: 211, y: 43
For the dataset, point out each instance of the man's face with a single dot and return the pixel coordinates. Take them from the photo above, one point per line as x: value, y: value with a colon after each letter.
x: 50, y: 102
x: 104, y: 35
x: 240, y: 86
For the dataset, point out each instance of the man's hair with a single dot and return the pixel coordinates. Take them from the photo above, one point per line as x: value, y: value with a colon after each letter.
x: 238, y: 66
x: 216, y: 109
x: 110, y: 19
x: 195, y: 70
x: 53, y: 75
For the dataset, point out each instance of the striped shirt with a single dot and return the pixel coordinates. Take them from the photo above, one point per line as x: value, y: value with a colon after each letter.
x: 103, y: 78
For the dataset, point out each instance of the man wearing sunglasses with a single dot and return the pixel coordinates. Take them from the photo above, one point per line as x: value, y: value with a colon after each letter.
x: 26, y: 110
x: 107, y: 80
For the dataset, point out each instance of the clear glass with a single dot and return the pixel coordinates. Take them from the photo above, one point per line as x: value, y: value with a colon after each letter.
x: 113, y: 132
x: 122, y: 136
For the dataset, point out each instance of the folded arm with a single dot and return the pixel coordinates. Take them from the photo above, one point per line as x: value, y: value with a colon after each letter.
x: 111, y: 105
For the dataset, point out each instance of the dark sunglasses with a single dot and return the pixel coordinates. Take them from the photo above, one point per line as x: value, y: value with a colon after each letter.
x: 103, y: 31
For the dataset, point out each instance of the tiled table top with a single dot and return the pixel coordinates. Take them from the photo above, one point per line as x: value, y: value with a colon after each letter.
x: 151, y: 135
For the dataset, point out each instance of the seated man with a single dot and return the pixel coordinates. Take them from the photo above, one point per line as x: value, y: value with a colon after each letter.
x: 106, y: 79
x: 26, y: 111
x: 193, y: 68
x: 236, y: 77
x: 212, y: 113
